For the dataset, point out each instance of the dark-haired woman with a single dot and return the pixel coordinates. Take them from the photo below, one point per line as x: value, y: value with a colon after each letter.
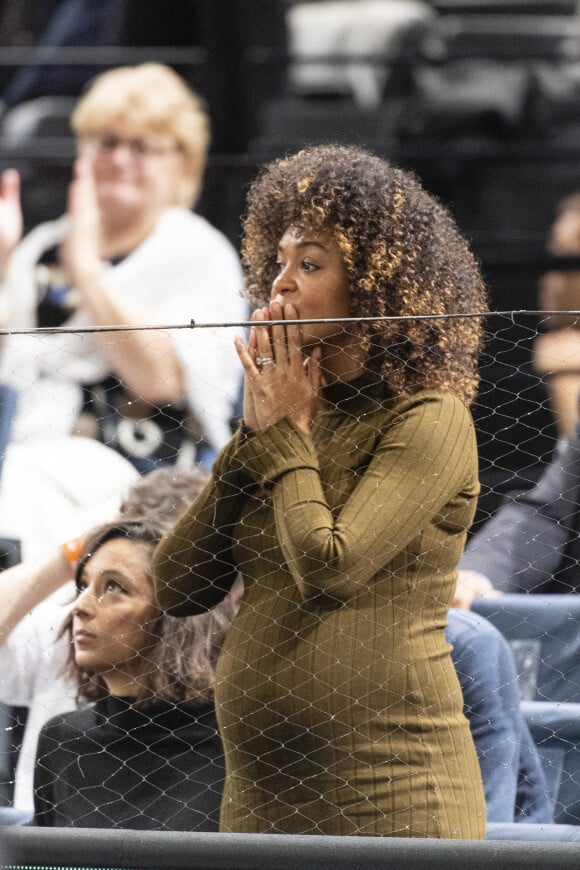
x: 344, y: 500
x: 145, y: 752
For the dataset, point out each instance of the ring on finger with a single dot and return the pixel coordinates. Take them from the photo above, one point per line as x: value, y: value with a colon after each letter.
x: 262, y: 361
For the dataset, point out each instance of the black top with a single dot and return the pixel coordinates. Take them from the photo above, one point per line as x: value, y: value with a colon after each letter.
x: 114, y: 766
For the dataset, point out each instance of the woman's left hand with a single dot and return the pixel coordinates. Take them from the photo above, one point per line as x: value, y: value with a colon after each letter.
x: 289, y: 385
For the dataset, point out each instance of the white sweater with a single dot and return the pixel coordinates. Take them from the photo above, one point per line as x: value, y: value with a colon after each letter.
x: 186, y: 269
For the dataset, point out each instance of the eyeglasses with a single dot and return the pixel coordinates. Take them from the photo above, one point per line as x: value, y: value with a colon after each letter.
x: 139, y: 149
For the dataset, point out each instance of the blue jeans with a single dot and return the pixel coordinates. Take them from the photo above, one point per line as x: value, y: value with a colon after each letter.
x: 513, y: 779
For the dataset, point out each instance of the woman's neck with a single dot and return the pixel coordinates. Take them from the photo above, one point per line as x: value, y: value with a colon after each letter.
x: 122, y: 684
x: 343, y: 362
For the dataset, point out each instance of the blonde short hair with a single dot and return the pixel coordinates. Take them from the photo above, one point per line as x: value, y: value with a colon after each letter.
x: 154, y: 96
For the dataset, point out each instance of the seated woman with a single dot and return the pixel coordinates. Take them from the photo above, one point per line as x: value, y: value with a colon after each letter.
x: 145, y: 753
x: 129, y: 252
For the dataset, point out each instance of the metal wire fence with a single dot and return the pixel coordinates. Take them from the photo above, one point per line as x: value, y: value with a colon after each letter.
x: 524, y: 539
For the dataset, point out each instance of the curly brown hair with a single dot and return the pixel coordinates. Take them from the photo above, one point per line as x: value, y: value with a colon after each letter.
x: 403, y: 252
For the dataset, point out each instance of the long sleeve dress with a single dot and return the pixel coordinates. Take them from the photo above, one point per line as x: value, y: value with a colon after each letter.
x: 337, y: 699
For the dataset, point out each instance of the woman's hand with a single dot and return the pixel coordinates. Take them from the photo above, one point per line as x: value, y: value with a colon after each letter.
x: 80, y: 250
x: 11, y: 222
x: 249, y: 412
x: 289, y: 386
x: 471, y: 585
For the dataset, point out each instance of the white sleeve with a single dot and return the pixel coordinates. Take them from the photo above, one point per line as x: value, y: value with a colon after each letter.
x: 31, y: 675
x: 207, y: 287
x: 31, y: 657
x: 208, y: 356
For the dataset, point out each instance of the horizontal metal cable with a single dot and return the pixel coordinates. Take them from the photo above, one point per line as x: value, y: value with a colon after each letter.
x: 193, y: 324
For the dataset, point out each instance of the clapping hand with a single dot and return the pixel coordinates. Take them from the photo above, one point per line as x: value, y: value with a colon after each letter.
x: 11, y: 222
x: 80, y: 251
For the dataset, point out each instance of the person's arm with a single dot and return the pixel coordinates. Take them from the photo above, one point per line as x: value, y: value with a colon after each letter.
x: 146, y: 361
x: 521, y: 547
x: 205, y: 286
x: 422, y: 462
x: 193, y: 567
x: 518, y: 549
x: 11, y: 221
x: 24, y: 586
x: 557, y: 358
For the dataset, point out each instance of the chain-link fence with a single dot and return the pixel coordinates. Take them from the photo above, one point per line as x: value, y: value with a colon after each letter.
x: 161, y: 766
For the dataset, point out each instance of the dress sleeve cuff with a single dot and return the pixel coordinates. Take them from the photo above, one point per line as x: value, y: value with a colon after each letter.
x: 281, y: 448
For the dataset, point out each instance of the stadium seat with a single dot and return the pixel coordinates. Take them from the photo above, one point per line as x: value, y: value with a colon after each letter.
x: 41, y: 117
x: 555, y: 728
x: 505, y: 7
x: 12, y: 816
x: 544, y: 634
x: 501, y: 34
x: 513, y: 831
x: 36, y: 139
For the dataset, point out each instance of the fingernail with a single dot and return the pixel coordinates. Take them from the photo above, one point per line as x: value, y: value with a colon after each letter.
x: 279, y: 298
x: 289, y: 309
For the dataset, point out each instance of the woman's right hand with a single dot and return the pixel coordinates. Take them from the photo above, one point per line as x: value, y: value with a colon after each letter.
x: 11, y: 222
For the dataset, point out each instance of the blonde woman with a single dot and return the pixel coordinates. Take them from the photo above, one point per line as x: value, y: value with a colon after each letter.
x: 129, y: 251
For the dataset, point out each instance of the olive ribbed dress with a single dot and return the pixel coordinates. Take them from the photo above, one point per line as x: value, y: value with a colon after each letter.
x: 336, y: 696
